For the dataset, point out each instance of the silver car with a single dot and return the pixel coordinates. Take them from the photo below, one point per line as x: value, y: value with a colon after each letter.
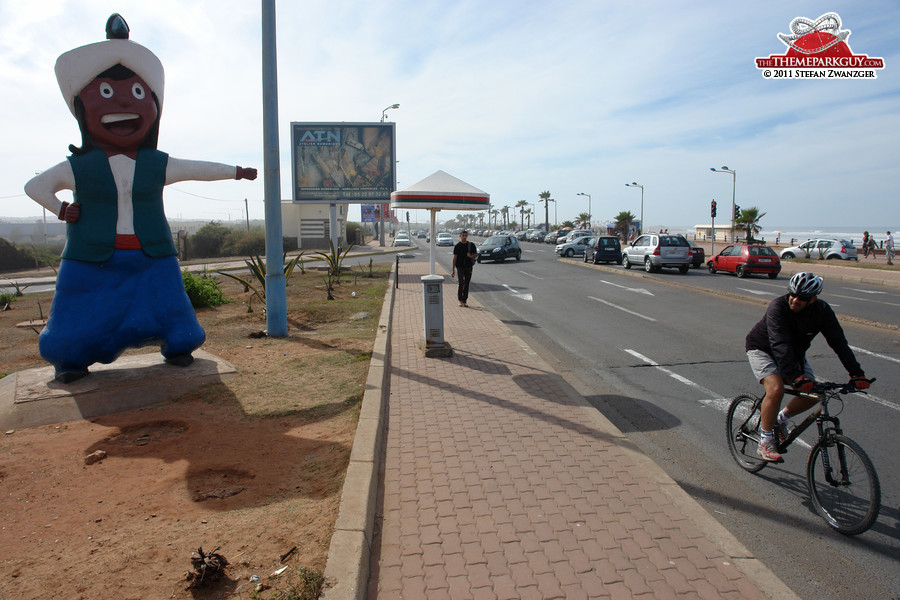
x: 655, y: 251
x: 822, y: 248
x: 401, y: 240
x: 443, y: 239
x: 575, y: 247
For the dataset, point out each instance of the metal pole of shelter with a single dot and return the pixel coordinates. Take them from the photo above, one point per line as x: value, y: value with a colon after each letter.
x: 276, y: 290
x: 431, y: 242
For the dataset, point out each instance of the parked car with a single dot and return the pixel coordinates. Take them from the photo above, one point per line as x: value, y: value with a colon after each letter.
x: 401, y: 239
x: 573, y: 248
x: 828, y: 248
x: 655, y: 251
x: 698, y: 254
x: 443, y: 239
x: 604, y: 248
x: 746, y: 259
x: 538, y: 235
x: 575, y: 233
x: 520, y: 235
x: 499, y: 248
x: 555, y: 237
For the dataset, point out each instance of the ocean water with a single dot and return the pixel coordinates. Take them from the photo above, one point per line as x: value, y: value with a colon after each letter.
x: 801, y: 234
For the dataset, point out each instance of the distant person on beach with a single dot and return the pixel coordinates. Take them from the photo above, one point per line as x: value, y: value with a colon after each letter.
x: 865, y: 244
x: 889, y: 248
x: 870, y: 247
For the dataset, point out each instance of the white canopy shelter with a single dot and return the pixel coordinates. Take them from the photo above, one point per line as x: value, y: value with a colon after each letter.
x: 440, y: 191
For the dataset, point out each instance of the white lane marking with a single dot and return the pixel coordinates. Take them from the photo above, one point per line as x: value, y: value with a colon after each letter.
x: 719, y: 404
x: 864, y: 300
x: 870, y: 353
x: 865, y: 291
x: 517, y: 294
x: 631, y: 312
x: 671, y: 374
x: 638, y: 290
x: 530, y: 275
x: 757, y: 292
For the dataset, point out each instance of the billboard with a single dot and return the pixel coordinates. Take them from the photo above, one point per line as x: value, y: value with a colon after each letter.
x: 343, y: 162
x: 371, y: 213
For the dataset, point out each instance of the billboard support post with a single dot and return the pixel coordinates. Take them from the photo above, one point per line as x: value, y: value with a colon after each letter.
x: 332, y: 224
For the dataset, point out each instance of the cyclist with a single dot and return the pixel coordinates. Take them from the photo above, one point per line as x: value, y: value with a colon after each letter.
x: 776, y: 348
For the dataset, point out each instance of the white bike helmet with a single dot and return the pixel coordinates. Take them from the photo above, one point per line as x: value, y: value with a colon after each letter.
x: 805, y: 285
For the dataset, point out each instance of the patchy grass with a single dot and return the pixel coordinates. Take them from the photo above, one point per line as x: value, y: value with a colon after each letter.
x: 253, y: 466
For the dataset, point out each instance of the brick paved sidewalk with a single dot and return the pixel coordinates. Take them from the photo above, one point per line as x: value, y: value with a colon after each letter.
x: 498, y: 481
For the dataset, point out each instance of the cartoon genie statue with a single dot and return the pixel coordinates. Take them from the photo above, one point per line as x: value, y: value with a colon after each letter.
x: 119, y: 285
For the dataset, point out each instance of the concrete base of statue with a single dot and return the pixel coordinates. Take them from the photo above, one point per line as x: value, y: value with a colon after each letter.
x: 33, y: 397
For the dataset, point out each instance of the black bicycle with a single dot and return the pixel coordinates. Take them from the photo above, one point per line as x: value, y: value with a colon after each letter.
x: 842, y: 482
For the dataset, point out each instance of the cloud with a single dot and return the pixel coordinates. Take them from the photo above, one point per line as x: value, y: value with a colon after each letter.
x: 513, y: 97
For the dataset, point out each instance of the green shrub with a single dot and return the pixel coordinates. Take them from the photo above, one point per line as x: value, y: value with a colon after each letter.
x: 244, y: 243
x: 209, y: 240
x: 203, y: 291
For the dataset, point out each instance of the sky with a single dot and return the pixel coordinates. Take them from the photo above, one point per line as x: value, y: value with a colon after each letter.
x: 514, y: 98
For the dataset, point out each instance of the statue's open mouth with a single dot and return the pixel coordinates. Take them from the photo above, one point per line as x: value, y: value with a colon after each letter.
x: 122, y: 124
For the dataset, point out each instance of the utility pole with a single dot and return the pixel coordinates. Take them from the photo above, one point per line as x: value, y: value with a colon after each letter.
x: 276, y: 292
x: 247, y: 211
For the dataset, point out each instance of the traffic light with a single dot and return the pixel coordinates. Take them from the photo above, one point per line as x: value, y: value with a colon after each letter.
x: 712, y: 209
x: 737, y: 212
x: 407, y: 216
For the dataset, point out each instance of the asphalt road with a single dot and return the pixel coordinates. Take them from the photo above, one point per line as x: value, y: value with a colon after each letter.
x: 662, y: 354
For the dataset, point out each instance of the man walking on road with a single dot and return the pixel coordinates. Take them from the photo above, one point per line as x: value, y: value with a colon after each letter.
x: 464, y: 255
x: 889, y: 248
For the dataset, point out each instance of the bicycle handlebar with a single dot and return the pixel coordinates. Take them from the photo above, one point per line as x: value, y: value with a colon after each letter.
x: 841, y: 388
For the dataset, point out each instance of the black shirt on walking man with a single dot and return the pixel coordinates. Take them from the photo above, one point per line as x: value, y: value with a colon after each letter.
x: 464, y: 255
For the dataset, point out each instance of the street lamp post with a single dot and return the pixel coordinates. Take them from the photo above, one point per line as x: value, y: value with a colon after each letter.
x: 638, y: 185
x: 733, y: 185
x: 555, y: 218
x: 381, y: 206
x: 589, y: 208
x: 384, y: 112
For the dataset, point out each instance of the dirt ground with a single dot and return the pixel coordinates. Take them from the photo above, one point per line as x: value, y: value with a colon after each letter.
x: 251, y: 468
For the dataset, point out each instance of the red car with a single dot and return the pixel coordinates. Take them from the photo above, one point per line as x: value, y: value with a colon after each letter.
x: 744, y: 259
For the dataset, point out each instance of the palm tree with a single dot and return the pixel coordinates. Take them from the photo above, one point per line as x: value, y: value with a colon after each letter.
x: 583, y: 221
x: 568, y: 224
x: 749, y: 222
x: 521, y: 204
x: 505, y: 212
x: 545, y: 198
x: 624, y: 221
x: 494, y: 213
x: 528, y: 214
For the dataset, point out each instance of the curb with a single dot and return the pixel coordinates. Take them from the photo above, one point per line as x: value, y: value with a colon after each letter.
x: 347, y: 565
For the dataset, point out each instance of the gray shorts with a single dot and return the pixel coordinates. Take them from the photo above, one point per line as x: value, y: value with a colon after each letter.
x: 764, y: 365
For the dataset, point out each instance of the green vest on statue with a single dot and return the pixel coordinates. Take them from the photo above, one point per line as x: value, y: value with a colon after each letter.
x: 93, y: 237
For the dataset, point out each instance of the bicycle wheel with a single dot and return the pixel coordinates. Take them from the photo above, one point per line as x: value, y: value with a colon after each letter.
x: 742, y: 430
x: 848, y: 495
